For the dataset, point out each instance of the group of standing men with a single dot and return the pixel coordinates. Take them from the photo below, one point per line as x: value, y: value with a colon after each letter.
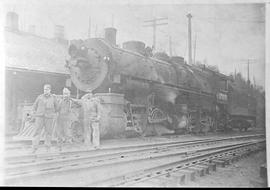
x: 47, y: 110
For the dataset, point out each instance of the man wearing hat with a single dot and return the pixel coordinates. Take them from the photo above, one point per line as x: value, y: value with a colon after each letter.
x: 64, y: 131
x: 91, y: 119
x: 44, y: 111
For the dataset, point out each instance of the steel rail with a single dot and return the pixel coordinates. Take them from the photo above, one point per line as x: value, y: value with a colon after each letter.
x: 11, y: 145
x: 78, y: 153
x: 137, y: 176
x: 66, y: 161
x: 96, y: 154
x: 90, y: 164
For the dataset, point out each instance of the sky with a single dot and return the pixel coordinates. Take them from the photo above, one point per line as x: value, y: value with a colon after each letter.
x: 227, y: 35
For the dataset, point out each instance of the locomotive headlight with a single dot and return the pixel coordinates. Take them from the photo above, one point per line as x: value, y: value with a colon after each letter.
x: 106, y: 58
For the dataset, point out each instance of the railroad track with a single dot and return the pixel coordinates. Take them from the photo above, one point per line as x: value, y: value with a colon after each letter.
x: 34, y: 169
x: 23, y: 160
x: 28, y: 158
x: 23, y: 144
x: 178, y: 173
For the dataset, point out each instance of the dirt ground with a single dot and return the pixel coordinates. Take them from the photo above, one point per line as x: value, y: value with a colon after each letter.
x: 242, y: 173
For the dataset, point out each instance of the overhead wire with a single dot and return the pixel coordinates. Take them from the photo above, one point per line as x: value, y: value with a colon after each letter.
x: 214, y: 19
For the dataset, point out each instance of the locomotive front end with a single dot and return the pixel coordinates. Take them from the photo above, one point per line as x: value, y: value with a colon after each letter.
x: 88, y: 64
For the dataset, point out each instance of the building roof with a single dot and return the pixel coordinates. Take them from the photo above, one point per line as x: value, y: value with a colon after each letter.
x: 30, y: 52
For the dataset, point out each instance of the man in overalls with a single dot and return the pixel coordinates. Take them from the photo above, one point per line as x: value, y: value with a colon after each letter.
x: 44, y: 110
x: 63, y: 129
x: 91, y: 119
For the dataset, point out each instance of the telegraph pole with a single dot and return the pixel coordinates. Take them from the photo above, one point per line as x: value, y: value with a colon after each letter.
x: 189, y: 16
x: 154, y: 25
x: 254, y: 81
x: 89, y: 28
x: 194, y: 61
x: 248, y: 81
x: 248, y: 72
x: 170, y: 45
x: 249, y: 61
x: 96, y: 31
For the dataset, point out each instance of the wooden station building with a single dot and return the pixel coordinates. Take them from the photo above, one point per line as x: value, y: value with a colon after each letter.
x: 30, y: 62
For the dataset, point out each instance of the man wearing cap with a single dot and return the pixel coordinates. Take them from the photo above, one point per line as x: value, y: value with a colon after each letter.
x: 44, y: 110
x: 63, y: 129
x: 91, y: 119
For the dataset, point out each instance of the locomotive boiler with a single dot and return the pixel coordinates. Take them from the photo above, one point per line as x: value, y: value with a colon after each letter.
x: 155, y: 93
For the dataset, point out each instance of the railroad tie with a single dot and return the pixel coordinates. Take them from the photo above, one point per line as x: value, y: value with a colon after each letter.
x: 211, y: 166
x: 180, y: 177
x: 239, y: 155
x: 219, y: 162
x: 204, y: 167
x: 148, y: 183
x: 232, y: 159
x: 243, y: 154
x: 170, y: 181
x: 236, y: 156
x: 250, y: 151
x: 189, y: 175
x: 198, y: 171
x: 163, y: 181
x: 255, y: 150
x: 227, y: 159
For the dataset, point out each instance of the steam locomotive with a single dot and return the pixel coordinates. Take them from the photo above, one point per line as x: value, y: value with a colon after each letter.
x: 144, y: 93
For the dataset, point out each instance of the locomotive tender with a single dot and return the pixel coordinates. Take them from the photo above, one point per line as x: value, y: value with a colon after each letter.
x: 146, y: 93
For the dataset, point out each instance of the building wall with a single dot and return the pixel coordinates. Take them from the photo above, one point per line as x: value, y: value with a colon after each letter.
x: 22, y: 87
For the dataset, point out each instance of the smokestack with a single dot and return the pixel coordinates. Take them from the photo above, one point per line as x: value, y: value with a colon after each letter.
x: 59, y: 32
x: 59, y: 35
x: 110, y: 35
x: 12, y: 21
x: 32, y: 29
x: 189, y: 40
